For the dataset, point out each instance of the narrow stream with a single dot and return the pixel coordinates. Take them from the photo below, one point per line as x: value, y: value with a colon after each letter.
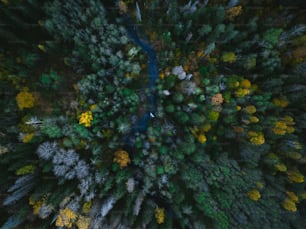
x: 141, y: 124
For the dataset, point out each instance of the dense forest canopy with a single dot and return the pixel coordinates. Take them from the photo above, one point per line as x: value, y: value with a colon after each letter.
x: 152, y: 114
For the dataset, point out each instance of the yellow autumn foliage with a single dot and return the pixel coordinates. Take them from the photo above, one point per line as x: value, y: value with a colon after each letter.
x: 122, y: 158
x: 160, y: 215
x: 25, y: 99
x: 254, y: 195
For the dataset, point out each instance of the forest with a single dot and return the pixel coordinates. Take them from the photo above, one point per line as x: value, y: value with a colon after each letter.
x: 135, y: 114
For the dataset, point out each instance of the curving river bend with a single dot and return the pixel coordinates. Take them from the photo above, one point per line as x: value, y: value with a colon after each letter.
x: 141, y: 124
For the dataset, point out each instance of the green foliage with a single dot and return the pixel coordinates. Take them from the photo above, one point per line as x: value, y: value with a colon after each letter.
x: 50, y: 80
x: 224, y: 148
x: 52, y: 130
x: 271, y: 36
